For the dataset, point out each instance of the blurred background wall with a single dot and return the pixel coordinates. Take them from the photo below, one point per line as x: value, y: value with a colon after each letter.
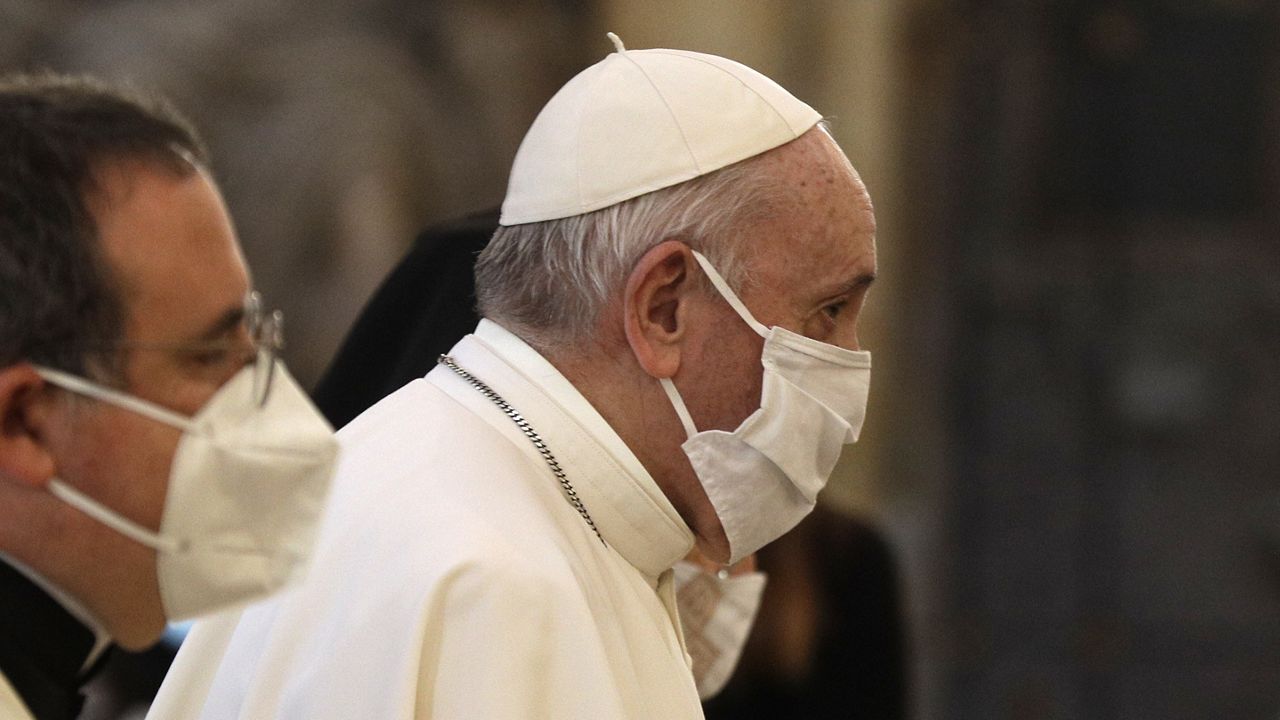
x: 1073, y: 438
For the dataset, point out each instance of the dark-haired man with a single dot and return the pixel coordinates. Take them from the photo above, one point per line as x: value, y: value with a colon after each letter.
x: 156, y: 461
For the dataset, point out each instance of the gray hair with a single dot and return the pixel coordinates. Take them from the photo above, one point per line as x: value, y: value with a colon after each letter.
x: 549, y: 281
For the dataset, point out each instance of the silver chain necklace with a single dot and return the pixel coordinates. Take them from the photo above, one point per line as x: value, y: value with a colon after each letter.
x: 529, y: 432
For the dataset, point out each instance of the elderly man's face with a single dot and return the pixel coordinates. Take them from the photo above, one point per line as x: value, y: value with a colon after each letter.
x: 814, y: 261
x: 174, y: 255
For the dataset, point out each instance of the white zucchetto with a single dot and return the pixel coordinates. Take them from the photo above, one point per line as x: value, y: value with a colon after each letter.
x: 642, y: 120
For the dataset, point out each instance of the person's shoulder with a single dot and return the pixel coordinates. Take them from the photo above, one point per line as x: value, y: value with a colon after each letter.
x: 492, y: 570
x: 423, y: 552
x: 424, y: 433
x: 415, y: 401
x: 433, y: 506
x: 419, y: 422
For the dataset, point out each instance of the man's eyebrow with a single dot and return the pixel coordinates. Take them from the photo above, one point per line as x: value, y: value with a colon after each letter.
x: 860, y: 281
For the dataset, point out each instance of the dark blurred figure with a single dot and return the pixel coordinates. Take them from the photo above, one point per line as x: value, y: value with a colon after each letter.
x: 424, y: 306
x: 829, y: 639
x: 828, y: 642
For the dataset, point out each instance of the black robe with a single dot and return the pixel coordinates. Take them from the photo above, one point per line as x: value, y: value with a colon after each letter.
x: 42, y: 648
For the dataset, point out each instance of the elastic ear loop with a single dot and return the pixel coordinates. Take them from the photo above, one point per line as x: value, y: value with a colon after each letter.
x: 123, y: 525
x: 729, y: 295
x: 84, y: 503
x: 678, y: 403
x: 79, y: 385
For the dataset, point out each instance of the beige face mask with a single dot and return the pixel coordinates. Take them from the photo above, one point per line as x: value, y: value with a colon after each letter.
x: 246, y: 491
x: 764, y: 477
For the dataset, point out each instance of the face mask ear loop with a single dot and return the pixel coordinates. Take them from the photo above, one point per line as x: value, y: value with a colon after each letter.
x: 678, y: 403
x: 122, y: 525
x: 730, y: 296
x: 84, y: 387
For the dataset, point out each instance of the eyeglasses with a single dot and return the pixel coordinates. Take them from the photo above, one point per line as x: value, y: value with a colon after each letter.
x: 265, y: 331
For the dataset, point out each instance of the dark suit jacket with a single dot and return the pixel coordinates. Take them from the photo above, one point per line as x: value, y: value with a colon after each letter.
x: 42, y: 648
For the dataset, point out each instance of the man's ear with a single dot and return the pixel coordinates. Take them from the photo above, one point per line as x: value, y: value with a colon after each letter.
x: 656, y: 307
x: 24, y: 410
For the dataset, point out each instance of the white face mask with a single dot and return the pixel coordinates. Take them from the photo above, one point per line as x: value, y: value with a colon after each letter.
x: 716, y: 614
x: 764, y: 477
x: 246, y: 492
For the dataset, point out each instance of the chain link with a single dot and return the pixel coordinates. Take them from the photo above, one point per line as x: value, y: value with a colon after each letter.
x: 529, y: 432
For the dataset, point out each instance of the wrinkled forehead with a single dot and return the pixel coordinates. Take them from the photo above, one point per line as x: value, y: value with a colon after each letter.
x: 823, y: 220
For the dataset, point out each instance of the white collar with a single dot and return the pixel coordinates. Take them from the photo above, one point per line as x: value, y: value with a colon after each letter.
x: 633, y: 515
x: 101, y: 639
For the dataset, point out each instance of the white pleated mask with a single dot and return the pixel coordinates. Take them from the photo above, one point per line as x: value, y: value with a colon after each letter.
x: 247, y: 488
x: 717, y: 611
x: 764, y: 477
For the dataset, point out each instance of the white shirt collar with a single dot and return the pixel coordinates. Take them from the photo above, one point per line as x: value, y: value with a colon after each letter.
x: 101, y: 639
x: 632, y: 513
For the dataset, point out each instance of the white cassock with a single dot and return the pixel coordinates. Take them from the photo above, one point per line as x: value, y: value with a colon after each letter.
x: 453, y: 579
x: 11, y: 706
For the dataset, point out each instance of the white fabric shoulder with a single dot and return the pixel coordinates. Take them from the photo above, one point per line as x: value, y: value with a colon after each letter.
x: 11, y: 706
x: 491, y: 623
x: 186, y: 685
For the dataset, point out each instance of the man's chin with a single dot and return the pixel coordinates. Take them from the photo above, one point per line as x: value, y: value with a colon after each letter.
x: 139, y: 633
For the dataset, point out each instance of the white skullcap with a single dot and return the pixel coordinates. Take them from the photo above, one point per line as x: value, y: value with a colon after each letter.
x: 641, y: 120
